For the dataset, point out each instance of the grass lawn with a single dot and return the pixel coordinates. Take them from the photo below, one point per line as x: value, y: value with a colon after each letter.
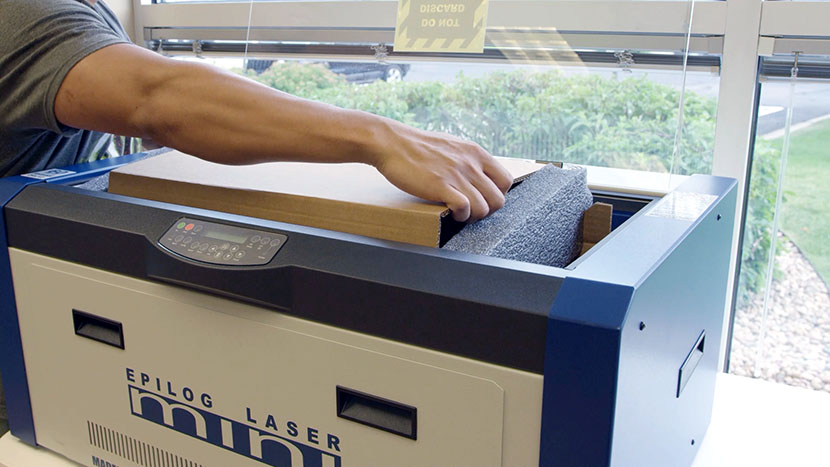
x: 805, y: 217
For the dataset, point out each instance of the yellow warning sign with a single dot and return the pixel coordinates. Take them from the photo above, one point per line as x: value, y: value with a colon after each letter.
x: 441, y: 26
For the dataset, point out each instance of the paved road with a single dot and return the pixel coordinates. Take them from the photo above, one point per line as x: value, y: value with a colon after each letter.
x: 811, y: 99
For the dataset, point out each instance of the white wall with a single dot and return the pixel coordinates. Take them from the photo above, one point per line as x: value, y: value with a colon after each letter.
x: 124, y: 10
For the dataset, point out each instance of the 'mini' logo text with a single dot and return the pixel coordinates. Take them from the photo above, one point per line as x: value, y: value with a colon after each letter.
x: 243, y: 439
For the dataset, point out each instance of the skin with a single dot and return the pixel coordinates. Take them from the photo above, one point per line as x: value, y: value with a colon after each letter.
x: 221, y: 117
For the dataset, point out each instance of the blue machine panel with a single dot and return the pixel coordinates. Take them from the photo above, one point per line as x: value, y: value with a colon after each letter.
x: 12, y: 365
x: 624, y: 323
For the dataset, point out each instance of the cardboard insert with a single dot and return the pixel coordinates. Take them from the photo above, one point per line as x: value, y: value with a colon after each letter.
x: 596, y: 224
x: 351, y: 198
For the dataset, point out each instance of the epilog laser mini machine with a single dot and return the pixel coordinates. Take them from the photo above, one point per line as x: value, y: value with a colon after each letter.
x: 334, y: 350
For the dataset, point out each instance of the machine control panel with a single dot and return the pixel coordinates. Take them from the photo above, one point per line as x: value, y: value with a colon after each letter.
x: 215, y: 243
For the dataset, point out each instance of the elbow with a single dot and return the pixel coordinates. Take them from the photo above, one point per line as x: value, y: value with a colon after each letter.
x: 152, y: 119
x: 157, y: 113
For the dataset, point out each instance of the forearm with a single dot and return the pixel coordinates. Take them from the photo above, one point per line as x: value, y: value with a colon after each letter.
x: 228, y: 119
x: 221, y: 117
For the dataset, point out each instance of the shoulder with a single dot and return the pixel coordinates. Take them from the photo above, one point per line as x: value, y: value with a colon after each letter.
x: 19, y: 14
x: 35, y: 7
x: 23, y: 18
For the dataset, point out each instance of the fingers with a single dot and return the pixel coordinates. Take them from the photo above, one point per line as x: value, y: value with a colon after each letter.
x: 490, y: 193
x: 482, y: 183
x: 498, y: 174
x: 485, y: 184
x: 479, y: 208
x: 444, y: 168
x: 458, y: 203
x: 470, y: 202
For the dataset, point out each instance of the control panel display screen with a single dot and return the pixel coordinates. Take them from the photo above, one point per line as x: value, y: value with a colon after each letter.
x: 217, y: 243
x: 226, y: 236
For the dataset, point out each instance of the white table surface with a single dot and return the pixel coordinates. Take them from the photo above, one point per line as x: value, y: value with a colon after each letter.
x: 761, y: 424
x: 754, y: 424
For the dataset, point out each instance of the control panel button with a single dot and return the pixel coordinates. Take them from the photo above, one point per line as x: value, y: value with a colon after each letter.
x: 218, y: 243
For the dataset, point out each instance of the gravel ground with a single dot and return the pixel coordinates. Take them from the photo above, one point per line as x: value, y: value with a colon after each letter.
x: 796, y: 348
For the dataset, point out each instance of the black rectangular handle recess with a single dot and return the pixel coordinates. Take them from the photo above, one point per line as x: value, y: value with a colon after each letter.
x: 98, y: 329
x: 690, y: 364
x: 377, y: 412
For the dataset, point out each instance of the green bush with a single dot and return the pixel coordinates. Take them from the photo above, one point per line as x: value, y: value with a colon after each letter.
x: 760, y: 209
x: 300, y: 79
x: 586, y: 119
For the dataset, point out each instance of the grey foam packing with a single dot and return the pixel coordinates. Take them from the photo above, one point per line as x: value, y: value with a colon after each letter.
x: 540, y: 222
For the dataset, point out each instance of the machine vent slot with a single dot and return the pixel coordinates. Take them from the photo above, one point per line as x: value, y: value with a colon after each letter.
x: 134, y: 450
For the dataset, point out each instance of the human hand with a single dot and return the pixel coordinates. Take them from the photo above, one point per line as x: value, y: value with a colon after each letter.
x: 443, y: 168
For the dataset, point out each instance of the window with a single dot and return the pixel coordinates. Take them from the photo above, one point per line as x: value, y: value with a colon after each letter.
x: 584, y: 96
x: 782, y: 322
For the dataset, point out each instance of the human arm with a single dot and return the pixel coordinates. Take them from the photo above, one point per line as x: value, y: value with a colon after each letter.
x: 227, y: 119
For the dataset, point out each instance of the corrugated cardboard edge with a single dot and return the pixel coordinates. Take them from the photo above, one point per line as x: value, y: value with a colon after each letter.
x: 375, y: 221
x: 421, y: 226
x: 596, y: 224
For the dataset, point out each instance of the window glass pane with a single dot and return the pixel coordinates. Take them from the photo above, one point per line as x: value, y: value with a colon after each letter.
x: 602, y: 116
x: 548, y: 91
x: 789, y: 342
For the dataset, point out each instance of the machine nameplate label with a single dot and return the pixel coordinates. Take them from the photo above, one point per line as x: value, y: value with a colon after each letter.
x: 48, y: 173
x: 182, y: 410
x: 98, y: 462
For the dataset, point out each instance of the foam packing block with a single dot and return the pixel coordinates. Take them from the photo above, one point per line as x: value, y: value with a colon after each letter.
x: 539, y: 223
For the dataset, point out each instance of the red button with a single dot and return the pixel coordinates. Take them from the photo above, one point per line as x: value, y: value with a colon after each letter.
x: 188, y: 227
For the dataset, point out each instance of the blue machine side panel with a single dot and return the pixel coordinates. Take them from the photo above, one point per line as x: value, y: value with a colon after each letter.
x: 679, y: 300
x: 12, y: 366
x: 610, y: 387
x: 581, y: 376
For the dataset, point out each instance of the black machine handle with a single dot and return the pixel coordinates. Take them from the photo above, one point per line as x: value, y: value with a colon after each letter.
x: 98, y: 329
x: 691, y: 362
x: 377, y: 412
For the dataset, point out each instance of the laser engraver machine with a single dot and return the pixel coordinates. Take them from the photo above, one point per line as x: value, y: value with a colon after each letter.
x: 325, y: 349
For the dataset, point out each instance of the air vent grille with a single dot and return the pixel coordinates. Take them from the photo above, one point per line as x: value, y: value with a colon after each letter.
x: 134, y: 450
